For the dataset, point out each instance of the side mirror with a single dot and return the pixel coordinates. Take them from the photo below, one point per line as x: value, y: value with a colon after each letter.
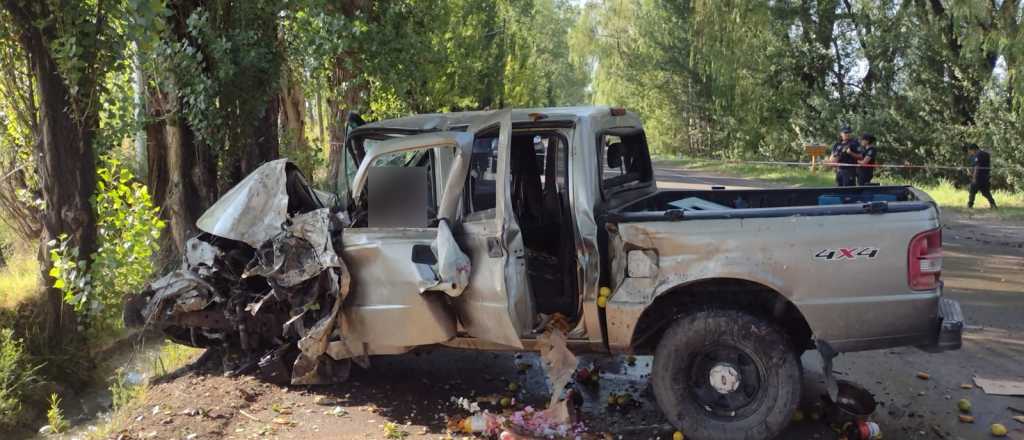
x: 614, y: 155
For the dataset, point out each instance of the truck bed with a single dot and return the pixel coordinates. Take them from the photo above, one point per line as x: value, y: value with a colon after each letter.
x: 747, y: 203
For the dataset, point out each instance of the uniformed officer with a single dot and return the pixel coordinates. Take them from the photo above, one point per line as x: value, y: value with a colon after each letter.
x: 867, y: 159
x: 843, y: 158
x: 981, y: 166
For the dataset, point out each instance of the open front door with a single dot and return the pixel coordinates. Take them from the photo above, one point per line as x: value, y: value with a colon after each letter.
x: 405, y: 192
x: 497, y: 305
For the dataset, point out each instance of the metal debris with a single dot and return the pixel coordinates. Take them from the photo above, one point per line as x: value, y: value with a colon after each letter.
x: 264, y: 282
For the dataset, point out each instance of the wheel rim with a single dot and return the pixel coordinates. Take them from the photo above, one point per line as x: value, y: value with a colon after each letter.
x: 725, y: 380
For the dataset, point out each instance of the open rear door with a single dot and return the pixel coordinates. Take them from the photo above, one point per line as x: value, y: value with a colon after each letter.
x: 497, y: 305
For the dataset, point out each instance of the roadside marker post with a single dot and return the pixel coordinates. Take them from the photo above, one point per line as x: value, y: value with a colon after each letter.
x: 815, y: 151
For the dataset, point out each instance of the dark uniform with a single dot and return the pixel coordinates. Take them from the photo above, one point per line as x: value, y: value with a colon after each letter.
x: 866, y: 170
x: 981, y: 163
x: 845, y: 175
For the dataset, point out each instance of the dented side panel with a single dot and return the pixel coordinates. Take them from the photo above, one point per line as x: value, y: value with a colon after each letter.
x: 385, y: 307
x: 850, y: 301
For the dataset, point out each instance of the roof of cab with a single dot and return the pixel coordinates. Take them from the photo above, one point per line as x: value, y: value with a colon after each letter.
x: 446, y: 121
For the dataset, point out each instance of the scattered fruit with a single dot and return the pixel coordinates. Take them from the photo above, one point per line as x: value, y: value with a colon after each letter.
x: 602, y: 301
x: 923, y: 376
x: 964, y: 418
x: 623, y: 400
x: 631, y: 360
x: 966, y: 386
x: 678, y: 436
x: 506, y: 402
x: 604, y: 291
x: 513, y: 387
x: 964, y: 405
x: 612, y: 398
x: 998, y: 430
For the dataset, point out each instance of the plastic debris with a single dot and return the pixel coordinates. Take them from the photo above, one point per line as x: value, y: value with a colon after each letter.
x: 1000, y: 387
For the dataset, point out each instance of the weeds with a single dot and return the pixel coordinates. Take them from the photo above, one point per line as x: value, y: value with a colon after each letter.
x: 55, y: 416
x: 123, y: 391
x: 16, y: 374
x: 394, y: 431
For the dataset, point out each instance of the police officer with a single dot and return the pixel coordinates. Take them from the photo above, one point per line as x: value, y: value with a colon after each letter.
x: 981, y: 165
x: 866, y: 160
x: 843, y: 157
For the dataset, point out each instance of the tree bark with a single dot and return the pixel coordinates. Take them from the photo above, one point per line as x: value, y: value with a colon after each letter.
x: 340, y: 104
x: 66, y: 168
x: 266, y: 143
x: 293, y: 111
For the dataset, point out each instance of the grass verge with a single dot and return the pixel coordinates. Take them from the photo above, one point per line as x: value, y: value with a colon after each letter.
x: 19, y: 279
x: 947, y: 195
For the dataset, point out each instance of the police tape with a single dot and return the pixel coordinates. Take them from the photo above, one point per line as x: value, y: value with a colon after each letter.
x: 851, y: 165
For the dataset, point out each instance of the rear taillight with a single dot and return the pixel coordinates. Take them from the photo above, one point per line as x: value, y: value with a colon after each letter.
x: 924, y: 260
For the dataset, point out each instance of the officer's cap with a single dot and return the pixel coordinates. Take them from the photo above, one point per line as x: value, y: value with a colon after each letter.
x: 846, y: 129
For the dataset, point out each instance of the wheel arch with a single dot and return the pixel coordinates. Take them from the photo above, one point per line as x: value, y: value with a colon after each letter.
x: 722, y: 293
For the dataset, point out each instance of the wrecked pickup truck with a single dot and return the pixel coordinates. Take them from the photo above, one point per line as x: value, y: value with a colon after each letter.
x: 476, y: 230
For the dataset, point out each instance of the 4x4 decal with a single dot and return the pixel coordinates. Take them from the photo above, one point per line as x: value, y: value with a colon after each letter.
x: 852, y: 253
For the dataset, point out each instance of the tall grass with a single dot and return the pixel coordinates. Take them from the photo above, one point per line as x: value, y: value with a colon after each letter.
x: 19, y: 280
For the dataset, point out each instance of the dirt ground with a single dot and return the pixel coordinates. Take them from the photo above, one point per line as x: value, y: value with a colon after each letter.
x: 984, y: 270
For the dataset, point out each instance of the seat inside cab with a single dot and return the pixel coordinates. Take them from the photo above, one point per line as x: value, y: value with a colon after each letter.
x: 540, y: 203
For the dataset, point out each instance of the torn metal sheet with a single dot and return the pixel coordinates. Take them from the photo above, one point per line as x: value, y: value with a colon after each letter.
x: 182, y: 290
x: 453, y: 266
x: 254, y: 210
x: 559, y: 363
x: 200, y: 256
x: 299, y: 253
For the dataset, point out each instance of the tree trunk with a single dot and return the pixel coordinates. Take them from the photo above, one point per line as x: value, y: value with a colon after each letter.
x: 182, y: 172
x: 67, y: 173
x: 293, y: 112
x: 266, y: 144
x: 340, y: 104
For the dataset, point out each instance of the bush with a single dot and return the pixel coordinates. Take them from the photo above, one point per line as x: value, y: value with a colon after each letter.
x: 128, y: 233
x: 16, y: 373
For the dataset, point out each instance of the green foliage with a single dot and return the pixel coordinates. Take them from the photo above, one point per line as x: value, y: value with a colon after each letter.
x: 427, y: 56
x: 55, y: 416
x: 128, y: 234
x: 222, y: 60
x: 16, y: 373
x: 393, y: 430
x: 732, y: 80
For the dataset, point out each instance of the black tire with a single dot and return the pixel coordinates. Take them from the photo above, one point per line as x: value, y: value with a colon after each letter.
x: 733, y: 344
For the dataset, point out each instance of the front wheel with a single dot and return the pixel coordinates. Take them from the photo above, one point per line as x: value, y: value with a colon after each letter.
x: 726, y: 374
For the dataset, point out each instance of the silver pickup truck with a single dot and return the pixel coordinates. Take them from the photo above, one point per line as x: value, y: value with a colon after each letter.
x: 725, y: 288
x: 557, y: 212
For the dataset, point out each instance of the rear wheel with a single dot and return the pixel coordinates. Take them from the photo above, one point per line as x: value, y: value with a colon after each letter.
x: 726, y: 374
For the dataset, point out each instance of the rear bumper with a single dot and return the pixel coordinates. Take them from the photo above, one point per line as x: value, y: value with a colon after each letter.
x: 949, y: 330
